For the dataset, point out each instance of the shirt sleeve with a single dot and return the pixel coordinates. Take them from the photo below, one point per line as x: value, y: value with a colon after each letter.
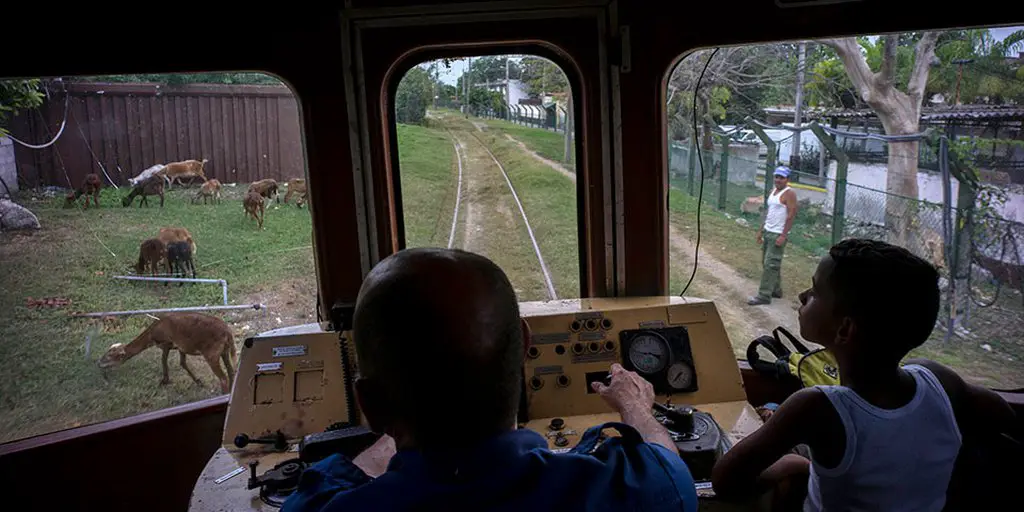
x: 322, y: 481
x: 648, y: 476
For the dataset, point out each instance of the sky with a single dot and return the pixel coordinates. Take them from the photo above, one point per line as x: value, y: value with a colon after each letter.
x: 451, y: 76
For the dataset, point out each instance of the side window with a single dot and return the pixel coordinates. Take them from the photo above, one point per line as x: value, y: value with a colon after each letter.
x: 112, y: 188
x: 485, y: 149
x: 735, y: 114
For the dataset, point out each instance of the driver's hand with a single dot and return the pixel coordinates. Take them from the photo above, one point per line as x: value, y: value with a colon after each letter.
x: 627, y: 391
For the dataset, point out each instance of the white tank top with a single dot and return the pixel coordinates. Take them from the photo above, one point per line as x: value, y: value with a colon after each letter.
x: 895, y: 459
x: 775, y: 221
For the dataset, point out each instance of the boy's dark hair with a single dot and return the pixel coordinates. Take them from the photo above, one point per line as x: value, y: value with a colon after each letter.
x: 892, y: 294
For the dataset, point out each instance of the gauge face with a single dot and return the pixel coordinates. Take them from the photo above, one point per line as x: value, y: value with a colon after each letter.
x: 680, y: 376
x: 648, y: 353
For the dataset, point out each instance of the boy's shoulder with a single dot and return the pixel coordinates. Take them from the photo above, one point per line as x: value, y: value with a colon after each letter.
x: 976, y: 408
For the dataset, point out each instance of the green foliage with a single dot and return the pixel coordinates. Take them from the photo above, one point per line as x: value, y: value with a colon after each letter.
x: 481, y: 100
x: 17, y: 95
x: 413, y: 96
x: 490, y: 69
x: 542, y: 76
x: 189, y: 78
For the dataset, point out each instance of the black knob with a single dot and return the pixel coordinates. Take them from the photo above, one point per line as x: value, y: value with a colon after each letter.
x: 684, y: 420
x: 556, y: 424
x: 278, y: 440
x: 561, y: 441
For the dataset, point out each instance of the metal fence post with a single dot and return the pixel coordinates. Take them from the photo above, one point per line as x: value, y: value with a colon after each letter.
x: 723, y: 173
x: 769, y: 161
x: 842, y: 162
x: 693, y: 164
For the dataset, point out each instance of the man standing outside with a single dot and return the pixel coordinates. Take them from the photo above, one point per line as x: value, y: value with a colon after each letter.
x: 780, y: 210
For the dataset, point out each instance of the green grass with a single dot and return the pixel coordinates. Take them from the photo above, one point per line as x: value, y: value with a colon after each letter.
x: 733, y: 244
x: 546, y: 143
x: 426, y: 161
x: 549, y: 199
x: 50, y: 383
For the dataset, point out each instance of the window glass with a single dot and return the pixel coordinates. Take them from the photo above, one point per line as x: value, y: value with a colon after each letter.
x: 75, y: 227
x: 486, y: 164
x: 760, y: 106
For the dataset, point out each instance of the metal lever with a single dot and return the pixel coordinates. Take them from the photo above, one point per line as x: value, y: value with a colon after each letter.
x: 278, y: 440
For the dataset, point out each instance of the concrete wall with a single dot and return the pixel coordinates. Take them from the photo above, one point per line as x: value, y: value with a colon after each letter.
x: 866, y: 199
x: 743, y: 161
x: 8, y: 167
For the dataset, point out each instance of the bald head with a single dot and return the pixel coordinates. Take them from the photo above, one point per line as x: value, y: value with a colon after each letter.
x: 438, y: 338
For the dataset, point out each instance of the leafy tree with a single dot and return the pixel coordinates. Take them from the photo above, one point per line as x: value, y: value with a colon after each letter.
x: 489, y: 69
x: 414, y: 94
x: 542, y: 76
x: 17, y: 95
x: 898, y: 108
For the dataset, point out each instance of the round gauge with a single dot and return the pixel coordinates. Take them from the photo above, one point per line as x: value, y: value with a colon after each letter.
x: 649, y: 353
x: 680, y: 376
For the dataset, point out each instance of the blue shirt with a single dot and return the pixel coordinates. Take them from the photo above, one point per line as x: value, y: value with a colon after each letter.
x: 513, y: 471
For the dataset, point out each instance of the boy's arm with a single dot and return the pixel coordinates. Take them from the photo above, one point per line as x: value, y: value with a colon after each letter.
x: 753, y: 464
x: 978, y: 410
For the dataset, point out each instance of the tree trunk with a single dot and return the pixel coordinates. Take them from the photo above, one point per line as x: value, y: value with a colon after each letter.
x: 901, y: 183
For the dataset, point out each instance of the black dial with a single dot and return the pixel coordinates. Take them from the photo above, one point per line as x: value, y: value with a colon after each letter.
x: 649, y: 353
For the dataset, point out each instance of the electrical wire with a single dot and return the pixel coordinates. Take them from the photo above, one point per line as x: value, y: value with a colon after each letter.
x: 700, y: 159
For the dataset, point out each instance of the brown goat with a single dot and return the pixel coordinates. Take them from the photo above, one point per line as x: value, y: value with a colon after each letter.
x: 150, y: 253
x: 297, y: 187
x: 175, y: 171
x: 90, y: 187
x: 171, y: 235
x: 152, y: 186
x: 209, y: 190
x: 253, y: 205
x: 266, y: 188
x: 191, y: 334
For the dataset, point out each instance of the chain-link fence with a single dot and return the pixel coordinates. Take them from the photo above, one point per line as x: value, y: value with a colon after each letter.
x: 979, y: 248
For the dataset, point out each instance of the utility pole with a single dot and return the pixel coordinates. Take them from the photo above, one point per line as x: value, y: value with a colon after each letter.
x: 794, y: 156
x: 508, y: 96
x: 469, y: 88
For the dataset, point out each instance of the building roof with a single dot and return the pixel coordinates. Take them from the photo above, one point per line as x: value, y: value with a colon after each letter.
x: 960, y: 112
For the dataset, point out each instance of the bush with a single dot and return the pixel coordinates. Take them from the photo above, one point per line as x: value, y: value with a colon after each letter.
x: 412, y: 97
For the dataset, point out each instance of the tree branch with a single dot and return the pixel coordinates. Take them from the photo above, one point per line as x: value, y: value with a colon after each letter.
x: 888, y: 70
x: 856, y: 66
x: 923, y: 56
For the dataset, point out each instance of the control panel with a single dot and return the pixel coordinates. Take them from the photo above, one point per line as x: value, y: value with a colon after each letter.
x: 289, y: 384
x: 678, y: 344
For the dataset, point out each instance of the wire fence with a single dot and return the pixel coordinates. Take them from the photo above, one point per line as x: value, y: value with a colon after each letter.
x: 979, y: 248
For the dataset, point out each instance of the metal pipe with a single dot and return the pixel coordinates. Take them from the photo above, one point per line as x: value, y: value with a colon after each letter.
x: 169, y: 310
x: 223, y: 283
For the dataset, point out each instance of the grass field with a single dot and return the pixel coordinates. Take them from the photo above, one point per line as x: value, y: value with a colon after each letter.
x: 50, y: 383
x: 546, y: 143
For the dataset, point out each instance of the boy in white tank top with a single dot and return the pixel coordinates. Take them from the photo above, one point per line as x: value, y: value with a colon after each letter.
x: 888, y: 437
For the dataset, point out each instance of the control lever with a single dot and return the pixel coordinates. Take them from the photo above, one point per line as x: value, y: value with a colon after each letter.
x: 278, y: 440
x: 681, y: 418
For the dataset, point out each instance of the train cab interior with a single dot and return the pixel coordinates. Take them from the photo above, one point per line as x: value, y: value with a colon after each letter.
x: 587, y: 147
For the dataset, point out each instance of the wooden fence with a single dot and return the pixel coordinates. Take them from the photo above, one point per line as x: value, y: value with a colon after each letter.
x: 246, y: 132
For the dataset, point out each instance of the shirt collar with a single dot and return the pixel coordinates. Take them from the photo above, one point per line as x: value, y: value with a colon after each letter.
x: 497, y: 451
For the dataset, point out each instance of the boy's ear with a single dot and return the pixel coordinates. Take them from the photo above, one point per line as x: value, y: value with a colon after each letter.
x: 846, y: 331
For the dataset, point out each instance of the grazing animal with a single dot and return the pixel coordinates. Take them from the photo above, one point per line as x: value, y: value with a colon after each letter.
x: 146, y: 174
x: 266, y: 188
x: 253, y: 205
x: 152, y: 186
x: 179, y: 260
x: 191, y: 334
x: 298, y: 188
x: 151, y: 252
x: 90, y: 187
x: 176, y: 171
x: 209, y: 190
x: 171, y: 235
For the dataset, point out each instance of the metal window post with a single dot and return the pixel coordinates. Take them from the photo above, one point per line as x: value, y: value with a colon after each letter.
x: 842, y: 163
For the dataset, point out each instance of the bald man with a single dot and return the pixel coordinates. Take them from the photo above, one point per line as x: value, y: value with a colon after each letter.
x: 441, y: 347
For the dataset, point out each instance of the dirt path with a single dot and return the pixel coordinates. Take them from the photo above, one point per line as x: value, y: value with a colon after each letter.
x: 721, y: 283
x: 492, y: 224
x: 550, y: 163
